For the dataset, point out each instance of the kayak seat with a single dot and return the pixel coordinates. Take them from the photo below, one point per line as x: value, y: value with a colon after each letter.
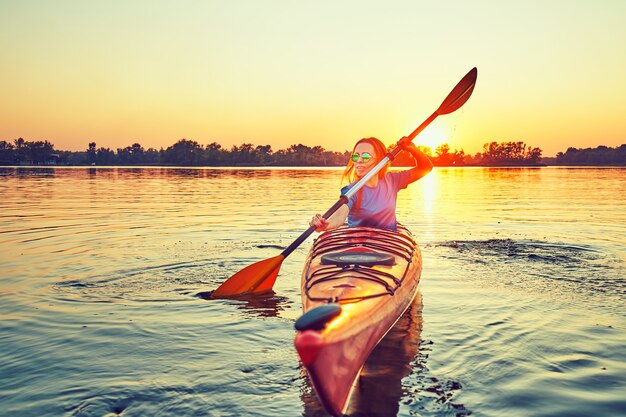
x: 358, y: 258
x: 317, y: 318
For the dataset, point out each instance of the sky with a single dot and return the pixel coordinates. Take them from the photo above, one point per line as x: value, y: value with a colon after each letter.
x: 550, y: 73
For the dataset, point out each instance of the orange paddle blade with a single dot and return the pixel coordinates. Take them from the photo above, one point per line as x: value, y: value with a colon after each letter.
x: 256, y: 278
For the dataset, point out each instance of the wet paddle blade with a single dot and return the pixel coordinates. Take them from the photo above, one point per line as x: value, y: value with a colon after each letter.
x: 457, y: 97
x: 253, y: 279
x: 460, y: 94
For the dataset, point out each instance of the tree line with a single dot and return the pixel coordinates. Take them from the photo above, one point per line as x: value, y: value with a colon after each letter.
x: 191, y: 153
x: 602, y: 155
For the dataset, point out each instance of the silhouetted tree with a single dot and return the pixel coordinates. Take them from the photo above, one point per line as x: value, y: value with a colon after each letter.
x: 105, y: 156
x: 214, y: 154
x: 137, y: 154
x: 151, y: 157
x: 245, y: 154
x: 21, y: 151
x: 508, y: 153
x: 7, y: 153
x: 39, y: 152
x: 184, y: 152
x: 443, y: 156
x: 91, y: 153
x: 123, y: 155
x: 264, y: 154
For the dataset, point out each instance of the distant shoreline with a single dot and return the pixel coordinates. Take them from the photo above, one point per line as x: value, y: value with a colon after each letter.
x: 190, y: 153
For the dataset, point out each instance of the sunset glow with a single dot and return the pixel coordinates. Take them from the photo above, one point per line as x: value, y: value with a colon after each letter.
x: 434, y: 135
x: 283, y: 73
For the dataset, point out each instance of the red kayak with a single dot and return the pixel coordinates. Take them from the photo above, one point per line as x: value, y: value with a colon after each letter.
x: 357, y: 282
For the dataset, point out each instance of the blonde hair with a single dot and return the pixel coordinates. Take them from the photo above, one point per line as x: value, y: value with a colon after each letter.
x: 349, y: 174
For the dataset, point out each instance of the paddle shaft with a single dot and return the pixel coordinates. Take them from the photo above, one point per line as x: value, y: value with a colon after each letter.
x: 342, y: 200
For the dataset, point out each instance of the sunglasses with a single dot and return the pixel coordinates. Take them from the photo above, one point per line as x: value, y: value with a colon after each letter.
x: 365, y: 156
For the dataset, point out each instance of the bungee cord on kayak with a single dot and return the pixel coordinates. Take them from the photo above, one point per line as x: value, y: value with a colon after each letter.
x: 389, y: 242
x: 354, y: 245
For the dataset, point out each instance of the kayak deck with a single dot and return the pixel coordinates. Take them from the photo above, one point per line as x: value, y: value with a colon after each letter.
x: 323, y: 283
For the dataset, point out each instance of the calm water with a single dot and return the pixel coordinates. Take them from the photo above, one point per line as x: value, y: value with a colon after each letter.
x: 521, y: 311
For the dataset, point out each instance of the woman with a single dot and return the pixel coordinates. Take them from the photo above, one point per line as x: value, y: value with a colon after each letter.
x: 374, y: 205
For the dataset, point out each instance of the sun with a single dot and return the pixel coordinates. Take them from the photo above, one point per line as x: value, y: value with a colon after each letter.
x: 433, y: 136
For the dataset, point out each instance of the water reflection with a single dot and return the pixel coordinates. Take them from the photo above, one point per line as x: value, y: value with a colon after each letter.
x: 130, y: 172
x: 262, y: 305
x: 133, y: 172
x: 187, y: 172
x: 510, y: 173
x: 379, y: 389
x: 30, y: 172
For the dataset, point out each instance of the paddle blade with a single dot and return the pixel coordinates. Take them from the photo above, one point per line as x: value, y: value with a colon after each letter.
x: 460, y: 94
x: 253, y: 279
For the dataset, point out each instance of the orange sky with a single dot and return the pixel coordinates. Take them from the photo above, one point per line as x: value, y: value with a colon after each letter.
x: 318, y: 73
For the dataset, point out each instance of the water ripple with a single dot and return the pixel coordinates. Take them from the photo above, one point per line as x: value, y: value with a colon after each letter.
x: 534, y: 264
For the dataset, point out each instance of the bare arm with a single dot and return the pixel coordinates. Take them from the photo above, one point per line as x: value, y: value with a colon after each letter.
x: 335, y: 220
x: 423, y: 164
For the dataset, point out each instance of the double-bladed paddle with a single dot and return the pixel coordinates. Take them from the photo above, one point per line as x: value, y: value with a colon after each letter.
x: 260, y: 277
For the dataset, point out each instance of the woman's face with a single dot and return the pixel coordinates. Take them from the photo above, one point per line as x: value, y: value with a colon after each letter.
x: 362, y: 167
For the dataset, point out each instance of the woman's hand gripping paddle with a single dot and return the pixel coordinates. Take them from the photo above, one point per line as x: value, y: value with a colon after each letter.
x: 260, y: 277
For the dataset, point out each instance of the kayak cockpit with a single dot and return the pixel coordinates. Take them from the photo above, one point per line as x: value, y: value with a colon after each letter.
x: 353, y: 266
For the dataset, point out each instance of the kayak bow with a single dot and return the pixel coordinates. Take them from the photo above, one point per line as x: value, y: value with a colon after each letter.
x: 357, y: 282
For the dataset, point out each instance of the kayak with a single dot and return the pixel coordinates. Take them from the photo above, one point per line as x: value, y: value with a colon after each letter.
x: 356, y: 283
